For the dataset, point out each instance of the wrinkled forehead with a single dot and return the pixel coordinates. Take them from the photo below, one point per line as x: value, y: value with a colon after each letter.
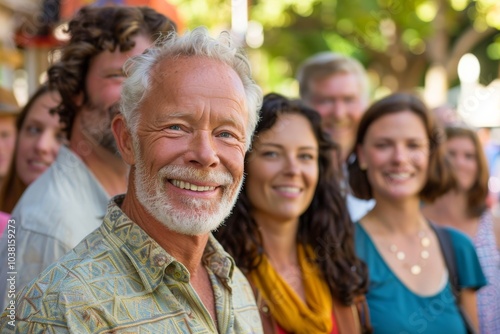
x: 186, y: 69
x: 173, y: 75
x: 191, y: 83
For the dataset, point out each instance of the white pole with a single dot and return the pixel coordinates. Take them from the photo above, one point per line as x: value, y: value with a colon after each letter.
x: 239, y: 20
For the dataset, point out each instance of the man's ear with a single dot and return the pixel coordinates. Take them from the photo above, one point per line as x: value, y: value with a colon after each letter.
x: 123, y: 139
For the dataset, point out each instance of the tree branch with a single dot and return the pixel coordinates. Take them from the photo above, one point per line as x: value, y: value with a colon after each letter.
x: 464, y: 44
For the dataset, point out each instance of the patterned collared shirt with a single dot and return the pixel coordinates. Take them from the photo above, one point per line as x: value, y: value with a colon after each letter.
x: 64, y: 205
x: 119, y: 280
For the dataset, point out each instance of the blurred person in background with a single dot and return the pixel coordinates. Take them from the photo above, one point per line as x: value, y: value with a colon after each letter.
x: 290, y: 231
x: 490, y: 143
x: 9, y: 109
x: 39, y: 137
x: 465, y: 208
x: 69, y: 201
x: 337, y: 87
x: 399, y: 161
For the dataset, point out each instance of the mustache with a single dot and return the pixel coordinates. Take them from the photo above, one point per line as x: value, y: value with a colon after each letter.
x: 185, y: 172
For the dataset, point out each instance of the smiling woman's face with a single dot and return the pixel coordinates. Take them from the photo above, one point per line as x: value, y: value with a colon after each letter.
x: 463, y: 156
x: 282, y: 170
x: 40, y: 138
x: 395, y: 153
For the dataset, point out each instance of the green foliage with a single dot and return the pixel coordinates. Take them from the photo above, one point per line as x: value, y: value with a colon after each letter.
x: 373, y: 31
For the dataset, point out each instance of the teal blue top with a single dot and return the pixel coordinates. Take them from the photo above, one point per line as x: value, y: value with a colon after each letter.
x: 396, y: 309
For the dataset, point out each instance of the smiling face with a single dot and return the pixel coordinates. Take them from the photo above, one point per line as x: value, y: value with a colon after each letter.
x: 395, y: 152
x: 338, y: 98
x: 463, y: 156
x: 282, y: 170
x: 190, y: 144
x: 40, y: 138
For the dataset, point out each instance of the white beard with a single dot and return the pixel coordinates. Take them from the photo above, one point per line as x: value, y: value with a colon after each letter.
x: 199, y: 216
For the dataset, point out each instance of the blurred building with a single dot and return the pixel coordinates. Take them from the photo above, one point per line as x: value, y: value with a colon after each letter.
x: 30, y: 30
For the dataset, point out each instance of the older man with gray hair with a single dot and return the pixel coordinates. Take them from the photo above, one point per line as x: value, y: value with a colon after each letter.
x: 337, y: 86
x: 188, y: 111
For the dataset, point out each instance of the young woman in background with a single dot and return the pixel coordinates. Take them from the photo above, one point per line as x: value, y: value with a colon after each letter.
x: 40, y: 135
x: 464, y: 208
x: 398, y: 161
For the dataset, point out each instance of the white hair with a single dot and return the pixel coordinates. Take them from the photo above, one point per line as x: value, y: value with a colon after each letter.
x: 196, y: 43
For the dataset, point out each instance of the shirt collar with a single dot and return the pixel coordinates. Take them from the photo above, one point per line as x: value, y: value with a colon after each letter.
x: 217, y: 260
x: 150, y: 260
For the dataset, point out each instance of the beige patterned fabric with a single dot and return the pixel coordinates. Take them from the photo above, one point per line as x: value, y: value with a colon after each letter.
x: 119, y: 280
x: 64, y: 205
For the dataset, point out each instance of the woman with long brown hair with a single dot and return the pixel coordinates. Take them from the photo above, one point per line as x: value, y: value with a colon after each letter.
x: 290, y: 231
x: 464, y: 208
x: 399, y: 161
x: 38, y: 140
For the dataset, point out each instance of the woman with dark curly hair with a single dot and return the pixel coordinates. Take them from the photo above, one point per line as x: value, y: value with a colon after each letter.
x: 399, y: 161
x: 290, y: 231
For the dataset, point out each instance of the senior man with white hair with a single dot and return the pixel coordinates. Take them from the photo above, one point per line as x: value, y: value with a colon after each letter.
x: 188, y: 111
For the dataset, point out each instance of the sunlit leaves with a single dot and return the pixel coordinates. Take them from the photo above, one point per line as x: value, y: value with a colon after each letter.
x: 493, y: 49
x: 459, y: 5
x: 214, y: 14
x: 427, y: 10
x: 295, y: 29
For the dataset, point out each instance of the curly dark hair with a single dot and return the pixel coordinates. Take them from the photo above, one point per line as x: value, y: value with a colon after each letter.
x: 94, y: 30
x: 325, y: 226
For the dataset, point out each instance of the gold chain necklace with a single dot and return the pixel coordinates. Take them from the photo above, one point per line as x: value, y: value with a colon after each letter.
x: 424, y: 242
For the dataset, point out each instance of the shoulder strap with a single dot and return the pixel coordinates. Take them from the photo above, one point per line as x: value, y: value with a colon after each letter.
x: 449, y: 256
x: 269, y: 324
x: 354, y: 318
x: 361, y: 308
x: 446, y: 244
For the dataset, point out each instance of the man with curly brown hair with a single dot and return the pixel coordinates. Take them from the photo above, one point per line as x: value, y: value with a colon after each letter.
x: 69, y: 201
